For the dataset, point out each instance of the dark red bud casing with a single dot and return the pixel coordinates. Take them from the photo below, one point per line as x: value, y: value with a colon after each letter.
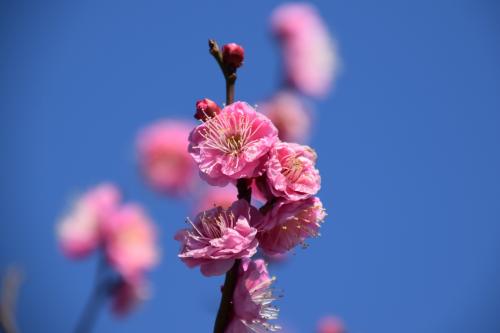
x: 206, y: 109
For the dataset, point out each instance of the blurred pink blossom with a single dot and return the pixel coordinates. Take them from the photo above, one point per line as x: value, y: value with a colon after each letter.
x: 291, y: 172
x: 330, y: 324
x: 78, y: 231
x: 130, y: 241
x: 290, y: 115
x: 215, y: 196
x: 163, y: 157
x: 310, y: 54
x: 252, y: 300
x: 218, y: 237
x: 289, y: 223
x: 233, y: 144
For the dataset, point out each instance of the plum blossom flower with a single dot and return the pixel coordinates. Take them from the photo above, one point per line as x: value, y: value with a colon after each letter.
x: 310, y: 53
x: 291, y: 172
x: 127, y: 294
x: 130, y: 241
x: 78, y: 231
x: 233, y: 144
x: 163, y: 157
x: 330, y: 324
x: 289, y: 223
x: 218, y: 237
x: 290, y: 115
x: 252, y: 300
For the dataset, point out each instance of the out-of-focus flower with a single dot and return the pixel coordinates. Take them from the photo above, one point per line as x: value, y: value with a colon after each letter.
x: 310, y: 53
x: 330, y: 324
x: 233, y: 55
x: 215, y: 196
x: 289, y: 223
x: 252, y: 300
x: 130, y: 241
x: 218, y: 237
x: 206, y: 109
x: 232, y: 145
x: 291, y: 172
x: 163, y: 157
x: 78, y: 231
x: 127, y: 294
x: 290, y: 115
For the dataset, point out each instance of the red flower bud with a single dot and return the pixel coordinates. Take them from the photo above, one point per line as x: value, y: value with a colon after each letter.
x: 206, y: 109
x: 232, y: 55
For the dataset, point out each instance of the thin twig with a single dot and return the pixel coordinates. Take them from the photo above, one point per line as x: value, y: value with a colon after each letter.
x: 88, y: 317
x: 229, y: 74
x: 10, y: 288
x: 225, y: 313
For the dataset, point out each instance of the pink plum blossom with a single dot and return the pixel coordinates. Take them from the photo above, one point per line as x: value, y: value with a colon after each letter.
x: 163, y: 157
x: 289, y: 223
x: 290, y: 115
x: 330, y: 324
x: 310, y: 53
x: 291, y: 172
x: 252, y: 300
x: 127, y: 294
x: 220, y: 236
x: 78, y: 231
x: 130, y: 241
x: 232, y: 145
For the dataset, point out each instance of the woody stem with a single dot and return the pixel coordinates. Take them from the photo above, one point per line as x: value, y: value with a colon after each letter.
x: 225, y: 312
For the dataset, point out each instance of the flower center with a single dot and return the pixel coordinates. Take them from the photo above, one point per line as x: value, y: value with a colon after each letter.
x: 234, y: 143
x: 213, y: 226
x: 229, y: 134
x: 292, y: 168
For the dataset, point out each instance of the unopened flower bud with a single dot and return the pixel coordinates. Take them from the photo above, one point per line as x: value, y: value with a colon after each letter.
x: 233, y: 55
x: 206, y: 109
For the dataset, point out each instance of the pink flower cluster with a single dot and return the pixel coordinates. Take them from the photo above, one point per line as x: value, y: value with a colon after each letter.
x: 123, y: 232
x: 240, y: 143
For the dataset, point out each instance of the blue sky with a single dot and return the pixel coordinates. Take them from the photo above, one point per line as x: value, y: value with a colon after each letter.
x: 407, y: 144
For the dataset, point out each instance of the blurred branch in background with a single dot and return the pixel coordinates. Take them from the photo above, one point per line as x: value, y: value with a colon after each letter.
x: 10, y: 287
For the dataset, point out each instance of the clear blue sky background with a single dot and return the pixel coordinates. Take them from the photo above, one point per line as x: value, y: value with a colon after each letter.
x: 408, y: 146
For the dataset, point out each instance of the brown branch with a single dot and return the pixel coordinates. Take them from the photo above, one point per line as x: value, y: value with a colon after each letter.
x: 229, y: 74
x: 266, y: 208
x: 10, y: 288
x: 91, y: 310
x: 225, y: 312
x: 244, y: 189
